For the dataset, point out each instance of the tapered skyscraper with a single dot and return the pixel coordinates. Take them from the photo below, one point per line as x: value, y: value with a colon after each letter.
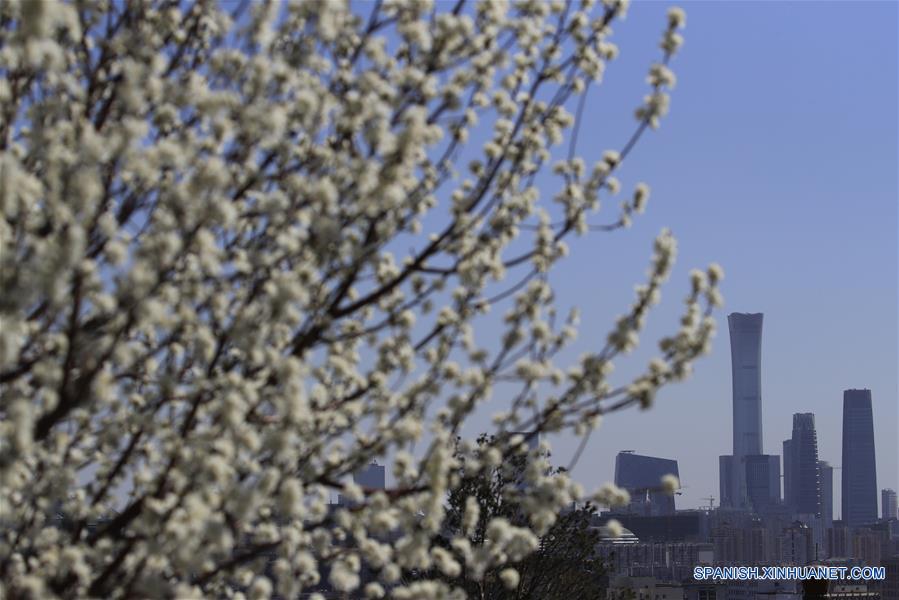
x: 859, y: 484
x: 746, y: 377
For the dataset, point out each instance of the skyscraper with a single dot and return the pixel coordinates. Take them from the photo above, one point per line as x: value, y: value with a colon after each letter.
x: 825, y: 473
x: 859, y: 481
x: 746, y: 377
x: 888, y: 507
x: 762, y: 481
x: 788, y: 473
x: 726, y: 480
x: 805, y: 485
x: 641, y: 476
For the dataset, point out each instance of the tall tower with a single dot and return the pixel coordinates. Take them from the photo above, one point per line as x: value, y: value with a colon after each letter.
x: 746, y: 376
x: 788, y: 472
x: 805, y: 484
x: 859, y: 483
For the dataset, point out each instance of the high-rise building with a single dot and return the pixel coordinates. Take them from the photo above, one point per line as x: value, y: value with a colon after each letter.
x: 762, y: 481
x: 788, y: 474
x: 805, y: 484
x: 859, y: 480
x: 825, y: 474
x: 866, y: 545
x: 746, y: 378
x: 746, y: 365
x: 888, y: 507
x: 839, y: 540
x: 797, y: 546
x: 641, y: 476
x: 725, y: 479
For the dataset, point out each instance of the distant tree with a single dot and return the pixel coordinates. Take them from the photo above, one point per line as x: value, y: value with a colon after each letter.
x: 245, y: 247
x: 565, y: 564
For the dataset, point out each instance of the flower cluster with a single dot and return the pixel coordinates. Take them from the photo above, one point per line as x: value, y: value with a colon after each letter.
x: 244, y: 249
x: 655, y: 104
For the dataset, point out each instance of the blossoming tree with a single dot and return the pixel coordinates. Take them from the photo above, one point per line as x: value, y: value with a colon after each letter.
x: 244, y: 248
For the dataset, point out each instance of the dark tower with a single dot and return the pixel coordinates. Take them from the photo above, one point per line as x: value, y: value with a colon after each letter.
x: 788, y: 472
x: 805, y: 479
x: 859, y: 483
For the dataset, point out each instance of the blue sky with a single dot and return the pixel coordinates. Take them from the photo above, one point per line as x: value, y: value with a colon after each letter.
x: 779, y: 161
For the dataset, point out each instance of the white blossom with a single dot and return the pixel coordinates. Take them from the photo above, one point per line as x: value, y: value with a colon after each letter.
x: 240, y: 259
x: 677, y: 18
x: 613, y: 528
x: 509, y: 578
x: 670, y: 484
x: 716, y: 273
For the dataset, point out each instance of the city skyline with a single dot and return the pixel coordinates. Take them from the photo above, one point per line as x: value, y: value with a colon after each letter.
x: 749, y: 479
x: 808, y: 485
x: 736, y: 173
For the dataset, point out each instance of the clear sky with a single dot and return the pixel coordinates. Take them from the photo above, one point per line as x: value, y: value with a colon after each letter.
x: 779, y: 161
